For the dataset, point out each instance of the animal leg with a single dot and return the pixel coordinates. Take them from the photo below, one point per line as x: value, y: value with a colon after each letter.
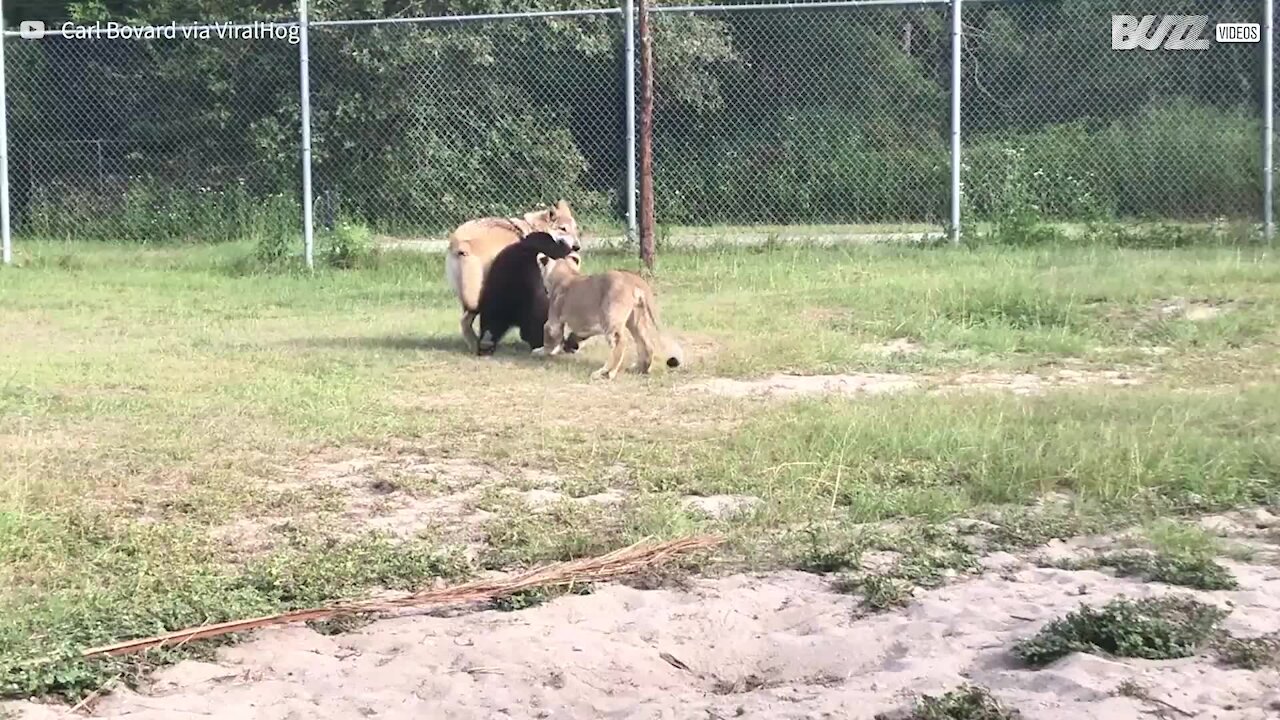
x: 618, y: 350
x: 531, y: 332
x: 644, y: 352
x: 490, y: 334
x: 469, y: 329
x: 466, y: 276
x: 552, y: 343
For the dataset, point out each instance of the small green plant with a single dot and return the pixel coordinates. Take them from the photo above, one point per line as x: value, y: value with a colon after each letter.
x: 1160, y: 628
x: 1022, y: 529
x: 968, y: 702
x: 1252, y: 653
x: 929, y: 559
x: 823, y: 554
x: 883, y: 592
x: 1016, y: 211
x: 339, y: 625
x: 1131, y: 689
x: 522, y: 600
x: 927, y: 556
x: 533, y: 597
x: 347, y: 246
x: 271, y: 248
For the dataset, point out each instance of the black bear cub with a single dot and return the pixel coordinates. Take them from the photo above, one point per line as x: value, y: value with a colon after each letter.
x: 513, y: 294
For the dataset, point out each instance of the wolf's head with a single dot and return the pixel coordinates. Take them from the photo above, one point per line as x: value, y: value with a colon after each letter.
x: 558, y: 222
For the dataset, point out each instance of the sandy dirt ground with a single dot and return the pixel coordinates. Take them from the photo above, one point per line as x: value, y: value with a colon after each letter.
x: 782, y: 385
x: 778, y: 645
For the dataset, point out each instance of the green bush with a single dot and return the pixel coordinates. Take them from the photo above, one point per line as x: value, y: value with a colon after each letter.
x: 346, y: 246
x: 1173, y: 160
x: 1160, y: 628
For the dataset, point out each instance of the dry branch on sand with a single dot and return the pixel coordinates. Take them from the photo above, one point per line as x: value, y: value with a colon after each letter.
x: 628, y: 560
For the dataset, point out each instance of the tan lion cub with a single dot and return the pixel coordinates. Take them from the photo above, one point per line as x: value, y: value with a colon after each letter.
x: 602, y: 304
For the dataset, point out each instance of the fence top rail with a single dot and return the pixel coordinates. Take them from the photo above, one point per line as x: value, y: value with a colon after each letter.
x: 469, y: 18
x: 80, y: 30
x: 791, y: 5
x: 75, y: 29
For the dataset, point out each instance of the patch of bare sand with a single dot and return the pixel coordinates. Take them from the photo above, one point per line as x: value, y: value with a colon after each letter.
x: 1195, y: 310
x: 778, y: 645
x: 607, y: 408
x: 721, y: 507
x: 865, y: 384
x: 1256, y: 530
x: 404, y: 495
x: 897, y: 346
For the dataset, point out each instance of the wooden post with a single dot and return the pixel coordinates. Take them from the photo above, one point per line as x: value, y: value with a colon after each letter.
x: 646, y: 135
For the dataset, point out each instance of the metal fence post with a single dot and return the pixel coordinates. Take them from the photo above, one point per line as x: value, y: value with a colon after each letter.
x: 1268, y: 115
x: 955, y: 120
x: 304, y: 81
x: 6, y: 242
x: 629, y: 21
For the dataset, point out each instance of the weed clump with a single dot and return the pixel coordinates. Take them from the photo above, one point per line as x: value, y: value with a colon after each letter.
x: 929, y: 556
x: 1160, y: 628
x: 1253, y: 653
x: 968, y: 702
x: 1193, y: 571
x: 1187, y: 570
x: 882, y: 592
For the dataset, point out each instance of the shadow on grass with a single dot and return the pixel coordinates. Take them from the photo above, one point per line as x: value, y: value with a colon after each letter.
x: 400, y: 341
x: 510, y: 347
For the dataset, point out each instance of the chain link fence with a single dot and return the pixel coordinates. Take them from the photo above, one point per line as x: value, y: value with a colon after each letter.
x: 802, y: 117
x: 152, y: 140
x: 419, y: 126
x: 1057, y: 122
x: 815, y: 120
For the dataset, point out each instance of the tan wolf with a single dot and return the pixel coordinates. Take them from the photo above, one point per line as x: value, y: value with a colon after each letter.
x: 474, y: 244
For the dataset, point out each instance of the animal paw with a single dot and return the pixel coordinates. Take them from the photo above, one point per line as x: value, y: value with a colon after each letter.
x: 539, y: 351
x: 601, y: 374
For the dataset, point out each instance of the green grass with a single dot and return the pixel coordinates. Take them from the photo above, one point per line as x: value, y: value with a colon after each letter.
x: 163, y: 411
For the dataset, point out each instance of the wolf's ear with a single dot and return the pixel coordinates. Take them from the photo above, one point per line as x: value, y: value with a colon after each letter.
x: 577, y: 261
x: 543, y: 260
